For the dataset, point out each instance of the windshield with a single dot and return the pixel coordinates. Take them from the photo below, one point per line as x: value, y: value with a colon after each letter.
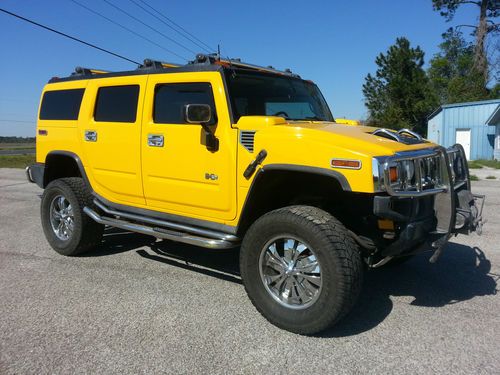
x: 259, y: 94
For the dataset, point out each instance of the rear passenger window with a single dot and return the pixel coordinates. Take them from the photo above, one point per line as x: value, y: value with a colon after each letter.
x: 171, y: 98
x: 116, y: 104
x: 61, y: 104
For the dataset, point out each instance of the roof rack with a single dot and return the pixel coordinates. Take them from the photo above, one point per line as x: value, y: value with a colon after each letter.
x: 214, y: 58
x: 79, y: 71
x: 153, y: 64
x: 200, y: 59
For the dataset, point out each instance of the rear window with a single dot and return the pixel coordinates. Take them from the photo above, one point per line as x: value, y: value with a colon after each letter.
x: 116, y: 104
x: 61, y: 104
x: 171, y: 98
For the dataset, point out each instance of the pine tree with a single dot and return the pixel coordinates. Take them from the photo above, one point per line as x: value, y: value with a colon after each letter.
x: 399, y: 95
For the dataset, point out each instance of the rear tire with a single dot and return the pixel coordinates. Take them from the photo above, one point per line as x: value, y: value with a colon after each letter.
x: 67, y: 228
x: 301, y: 268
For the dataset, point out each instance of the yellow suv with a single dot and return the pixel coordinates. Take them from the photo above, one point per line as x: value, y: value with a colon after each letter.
x: 220, y: 153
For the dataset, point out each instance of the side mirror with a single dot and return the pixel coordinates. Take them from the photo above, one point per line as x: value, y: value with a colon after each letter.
x: 202, y: 114
x: 198, y: 113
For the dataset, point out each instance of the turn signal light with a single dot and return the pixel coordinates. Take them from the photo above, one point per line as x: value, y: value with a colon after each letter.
x: 393, y: 174
x: 345, y: 163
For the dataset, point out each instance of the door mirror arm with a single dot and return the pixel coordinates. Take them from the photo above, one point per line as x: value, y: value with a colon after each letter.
x: 202, y: 114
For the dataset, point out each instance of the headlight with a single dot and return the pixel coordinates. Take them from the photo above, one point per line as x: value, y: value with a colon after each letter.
x: 415, y: 173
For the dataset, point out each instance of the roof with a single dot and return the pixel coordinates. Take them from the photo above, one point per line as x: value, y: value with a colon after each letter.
x: 464, y: 104
x: 494, y: 119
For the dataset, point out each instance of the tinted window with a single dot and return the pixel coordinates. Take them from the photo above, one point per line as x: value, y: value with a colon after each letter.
x: 170, y: 100
x: 117, y: 103
x: 260, y: 94
x: 61, y: 104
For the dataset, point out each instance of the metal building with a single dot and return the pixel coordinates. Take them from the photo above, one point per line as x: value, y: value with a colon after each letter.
x: 475, y: 125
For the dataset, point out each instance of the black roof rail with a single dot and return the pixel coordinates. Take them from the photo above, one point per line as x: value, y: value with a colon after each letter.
x: 154, y: 64
x: 80, y: 71
x: 210, y: 60
x: 214, y: 58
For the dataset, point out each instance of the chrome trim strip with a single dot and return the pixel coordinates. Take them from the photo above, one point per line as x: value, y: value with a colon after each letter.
x: 209, y: 243
x: 410, y: 132
x: 168, y: 224
x: 388, y: 134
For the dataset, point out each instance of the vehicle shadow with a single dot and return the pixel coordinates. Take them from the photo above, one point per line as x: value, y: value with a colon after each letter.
x: 117, y: 241
x: 460, y: 274
x: 222, y: 264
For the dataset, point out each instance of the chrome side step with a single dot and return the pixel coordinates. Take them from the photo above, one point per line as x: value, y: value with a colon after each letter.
x: 168, y: 234
x: 168, y: 224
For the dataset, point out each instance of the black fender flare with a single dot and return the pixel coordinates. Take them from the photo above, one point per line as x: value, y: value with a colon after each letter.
x: 71, y: 155
x: 335, y: 175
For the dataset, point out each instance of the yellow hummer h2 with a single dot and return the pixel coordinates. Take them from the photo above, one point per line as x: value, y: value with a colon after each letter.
x: 219, y: 153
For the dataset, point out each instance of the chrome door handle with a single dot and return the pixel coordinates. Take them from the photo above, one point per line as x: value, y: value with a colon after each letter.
x: 90, y: 136
x: 155, y: 140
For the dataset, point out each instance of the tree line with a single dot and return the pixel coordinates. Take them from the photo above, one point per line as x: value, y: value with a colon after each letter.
x: 17, y: 139
x: 401, y: 93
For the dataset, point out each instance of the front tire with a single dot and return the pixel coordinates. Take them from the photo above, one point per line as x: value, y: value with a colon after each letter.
x: 67, y: 228
x: 301, y: 268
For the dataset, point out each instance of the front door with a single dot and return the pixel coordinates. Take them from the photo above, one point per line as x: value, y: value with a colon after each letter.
x: 180, y: 174
x: 463, y: 137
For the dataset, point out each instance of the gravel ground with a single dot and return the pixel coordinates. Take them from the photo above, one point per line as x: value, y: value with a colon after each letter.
x: 137, y: 305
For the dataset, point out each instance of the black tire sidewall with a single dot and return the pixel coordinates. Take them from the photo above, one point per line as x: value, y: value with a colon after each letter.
x: 328, y: 305
x: 55, y: 188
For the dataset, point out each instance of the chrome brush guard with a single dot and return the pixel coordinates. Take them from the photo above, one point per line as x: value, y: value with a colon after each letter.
x: 438, y: 172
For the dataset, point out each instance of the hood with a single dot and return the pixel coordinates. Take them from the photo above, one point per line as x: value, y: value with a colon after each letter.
x: 346, y: 136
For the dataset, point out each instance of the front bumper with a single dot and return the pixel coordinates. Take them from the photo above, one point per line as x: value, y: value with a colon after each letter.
x: 444, y: 207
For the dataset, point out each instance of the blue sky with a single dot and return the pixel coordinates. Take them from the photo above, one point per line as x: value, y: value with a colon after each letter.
x: 334, y: 43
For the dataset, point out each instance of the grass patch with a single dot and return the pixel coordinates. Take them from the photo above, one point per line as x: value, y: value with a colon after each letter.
x: 475, y: 164
x: 16, y: 146
x: 16, y: 161
x: 473, y: 177
x: 491, y: 178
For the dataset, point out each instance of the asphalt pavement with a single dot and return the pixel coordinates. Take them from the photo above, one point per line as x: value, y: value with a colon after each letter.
x: 137, y: 305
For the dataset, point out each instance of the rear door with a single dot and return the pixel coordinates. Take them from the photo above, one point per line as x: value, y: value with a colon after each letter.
x: 110, y: 129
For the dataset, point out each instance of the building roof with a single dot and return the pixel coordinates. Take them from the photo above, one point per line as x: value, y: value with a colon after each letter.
x: 465, y: 104
x: 494, y: 119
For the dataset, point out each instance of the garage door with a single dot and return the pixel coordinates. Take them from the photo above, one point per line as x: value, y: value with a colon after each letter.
x: 463, y: 137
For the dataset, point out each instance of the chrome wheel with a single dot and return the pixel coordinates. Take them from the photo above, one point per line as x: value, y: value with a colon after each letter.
x: 291, y: 272
x: 61, y: 217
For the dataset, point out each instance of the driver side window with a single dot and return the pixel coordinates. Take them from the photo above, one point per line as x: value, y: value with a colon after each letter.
x: 170, y: 100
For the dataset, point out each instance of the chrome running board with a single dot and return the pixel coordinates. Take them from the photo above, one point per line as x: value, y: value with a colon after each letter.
x: 168, y: 224
x: 217, y: 240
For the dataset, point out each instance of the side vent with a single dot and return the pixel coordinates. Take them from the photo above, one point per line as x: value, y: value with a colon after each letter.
x: 247, y: 139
